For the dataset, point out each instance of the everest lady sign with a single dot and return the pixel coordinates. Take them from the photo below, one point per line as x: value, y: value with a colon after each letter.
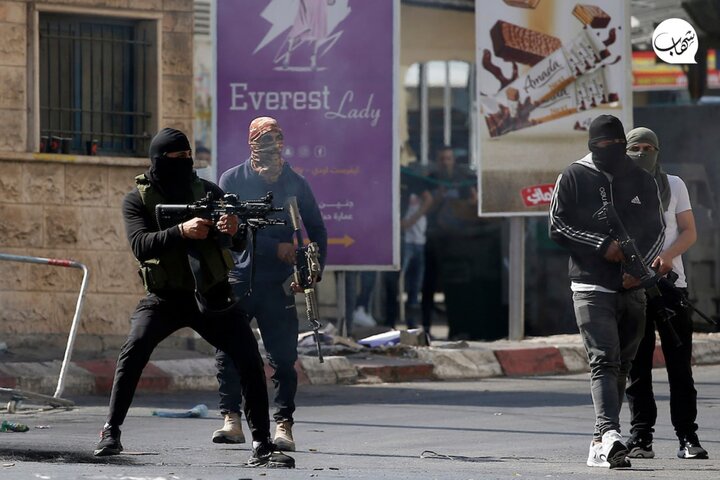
x: 325, y: 70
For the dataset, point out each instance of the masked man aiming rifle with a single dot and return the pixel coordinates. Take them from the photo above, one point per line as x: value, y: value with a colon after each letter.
x: 175, y: 292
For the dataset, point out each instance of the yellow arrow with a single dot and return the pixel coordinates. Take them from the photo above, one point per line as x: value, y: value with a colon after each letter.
x: 346, y: 240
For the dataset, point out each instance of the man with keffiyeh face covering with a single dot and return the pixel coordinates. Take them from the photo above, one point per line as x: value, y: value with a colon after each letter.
x: 609, y: 308
x: 174, y: 290
x: 270, y: 300
x: 643, y: 148
x: 266, y: 144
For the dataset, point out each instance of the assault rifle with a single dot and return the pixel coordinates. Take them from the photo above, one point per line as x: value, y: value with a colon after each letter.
x: 667, y: 286
x: 306, y: 270
x: 251, y: 213
x: 635, y: 265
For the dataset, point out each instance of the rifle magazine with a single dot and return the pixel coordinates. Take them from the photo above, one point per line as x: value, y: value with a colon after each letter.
x: 312, y: 308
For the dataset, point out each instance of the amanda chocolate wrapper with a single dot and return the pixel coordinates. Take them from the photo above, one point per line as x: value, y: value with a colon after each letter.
x: 543, y: 94
x: 586, y: 92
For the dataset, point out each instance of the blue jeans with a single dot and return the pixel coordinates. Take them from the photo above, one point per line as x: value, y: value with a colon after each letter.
x: 413, y: 268
x: 611, y: 325
x: 353, y: 299
x: 276, y: 316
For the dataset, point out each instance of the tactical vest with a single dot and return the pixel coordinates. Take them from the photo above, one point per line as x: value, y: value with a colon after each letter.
x: 171, y: 269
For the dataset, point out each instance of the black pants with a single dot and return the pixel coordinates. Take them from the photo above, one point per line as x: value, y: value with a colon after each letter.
x: 155, y: 318
x: 276, y: 315
x: 683, y: 396
x: 431, y: 283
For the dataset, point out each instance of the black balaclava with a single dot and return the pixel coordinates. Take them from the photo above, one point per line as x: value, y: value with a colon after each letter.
x: 171, y: 176
x: 610, y: 159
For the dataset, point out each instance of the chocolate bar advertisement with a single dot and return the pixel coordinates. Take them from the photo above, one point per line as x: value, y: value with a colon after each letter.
x: 545, y: 69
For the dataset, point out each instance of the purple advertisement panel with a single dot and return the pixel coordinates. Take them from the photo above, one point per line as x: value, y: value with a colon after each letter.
x: 325, y: 70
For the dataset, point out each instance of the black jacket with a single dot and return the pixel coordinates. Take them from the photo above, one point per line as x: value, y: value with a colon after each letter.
x: 580, y: 191
x: 146, y: 238
x: 148, y: 241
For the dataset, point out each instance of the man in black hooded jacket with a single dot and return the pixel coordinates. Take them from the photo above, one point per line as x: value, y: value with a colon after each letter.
x: 180, y: 296
x: 609, y: 309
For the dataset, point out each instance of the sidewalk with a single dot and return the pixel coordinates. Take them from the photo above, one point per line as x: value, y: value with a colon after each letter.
x: 443, y: 360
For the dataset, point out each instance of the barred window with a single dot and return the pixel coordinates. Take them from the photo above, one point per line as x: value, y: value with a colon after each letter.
x: 97, y: 80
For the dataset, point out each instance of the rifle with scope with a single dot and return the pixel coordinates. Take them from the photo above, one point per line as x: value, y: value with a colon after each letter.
x: 251, y: 213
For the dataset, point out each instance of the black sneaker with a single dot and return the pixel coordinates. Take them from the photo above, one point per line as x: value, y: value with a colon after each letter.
x: 640, y: 446
x: 109, y: 443
x: 690, y: 447
x: 267, y: 455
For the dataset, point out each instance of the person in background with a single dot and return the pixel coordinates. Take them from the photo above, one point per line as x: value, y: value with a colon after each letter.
x: 358, y: 302
x: 680, y: 234
x: 203, y: 154
x: 415, y: 201
x: 609, y: 308
x: 271, y: 299
x: 449, y: 185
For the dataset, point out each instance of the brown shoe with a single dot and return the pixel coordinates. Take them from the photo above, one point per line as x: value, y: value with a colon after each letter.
x: 284, y: 437
x: 231, y: 431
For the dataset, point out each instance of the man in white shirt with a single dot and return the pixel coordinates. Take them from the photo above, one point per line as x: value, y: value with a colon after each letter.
x: 680, y: 234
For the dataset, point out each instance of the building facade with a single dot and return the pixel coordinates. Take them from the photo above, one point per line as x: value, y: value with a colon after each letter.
x: 84, y: 84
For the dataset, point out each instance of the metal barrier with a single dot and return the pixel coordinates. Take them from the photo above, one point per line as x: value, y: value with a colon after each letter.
x: 76, y: 319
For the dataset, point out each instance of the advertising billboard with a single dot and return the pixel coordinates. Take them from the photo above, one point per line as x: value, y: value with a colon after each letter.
x: 545, y: 69
x: 325, y: 69
x: 650, y: 73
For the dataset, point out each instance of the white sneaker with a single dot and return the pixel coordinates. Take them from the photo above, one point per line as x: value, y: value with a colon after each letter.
x: 611, y: 453
x: 594, y: 457
x: 361, y: 318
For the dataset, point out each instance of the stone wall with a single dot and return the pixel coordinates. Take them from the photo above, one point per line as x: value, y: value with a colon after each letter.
x: 69, y: 206
x: 13, y: 80
x: 57, y: 210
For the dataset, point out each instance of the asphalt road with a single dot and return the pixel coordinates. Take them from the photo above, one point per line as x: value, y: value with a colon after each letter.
x: 496, y: 428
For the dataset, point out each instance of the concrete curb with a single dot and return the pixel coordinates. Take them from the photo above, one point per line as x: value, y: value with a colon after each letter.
x: 474, y: 361
x: 461, y: 364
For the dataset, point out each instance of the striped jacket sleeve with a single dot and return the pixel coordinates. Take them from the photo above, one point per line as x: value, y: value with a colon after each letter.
x: 564, y: 227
